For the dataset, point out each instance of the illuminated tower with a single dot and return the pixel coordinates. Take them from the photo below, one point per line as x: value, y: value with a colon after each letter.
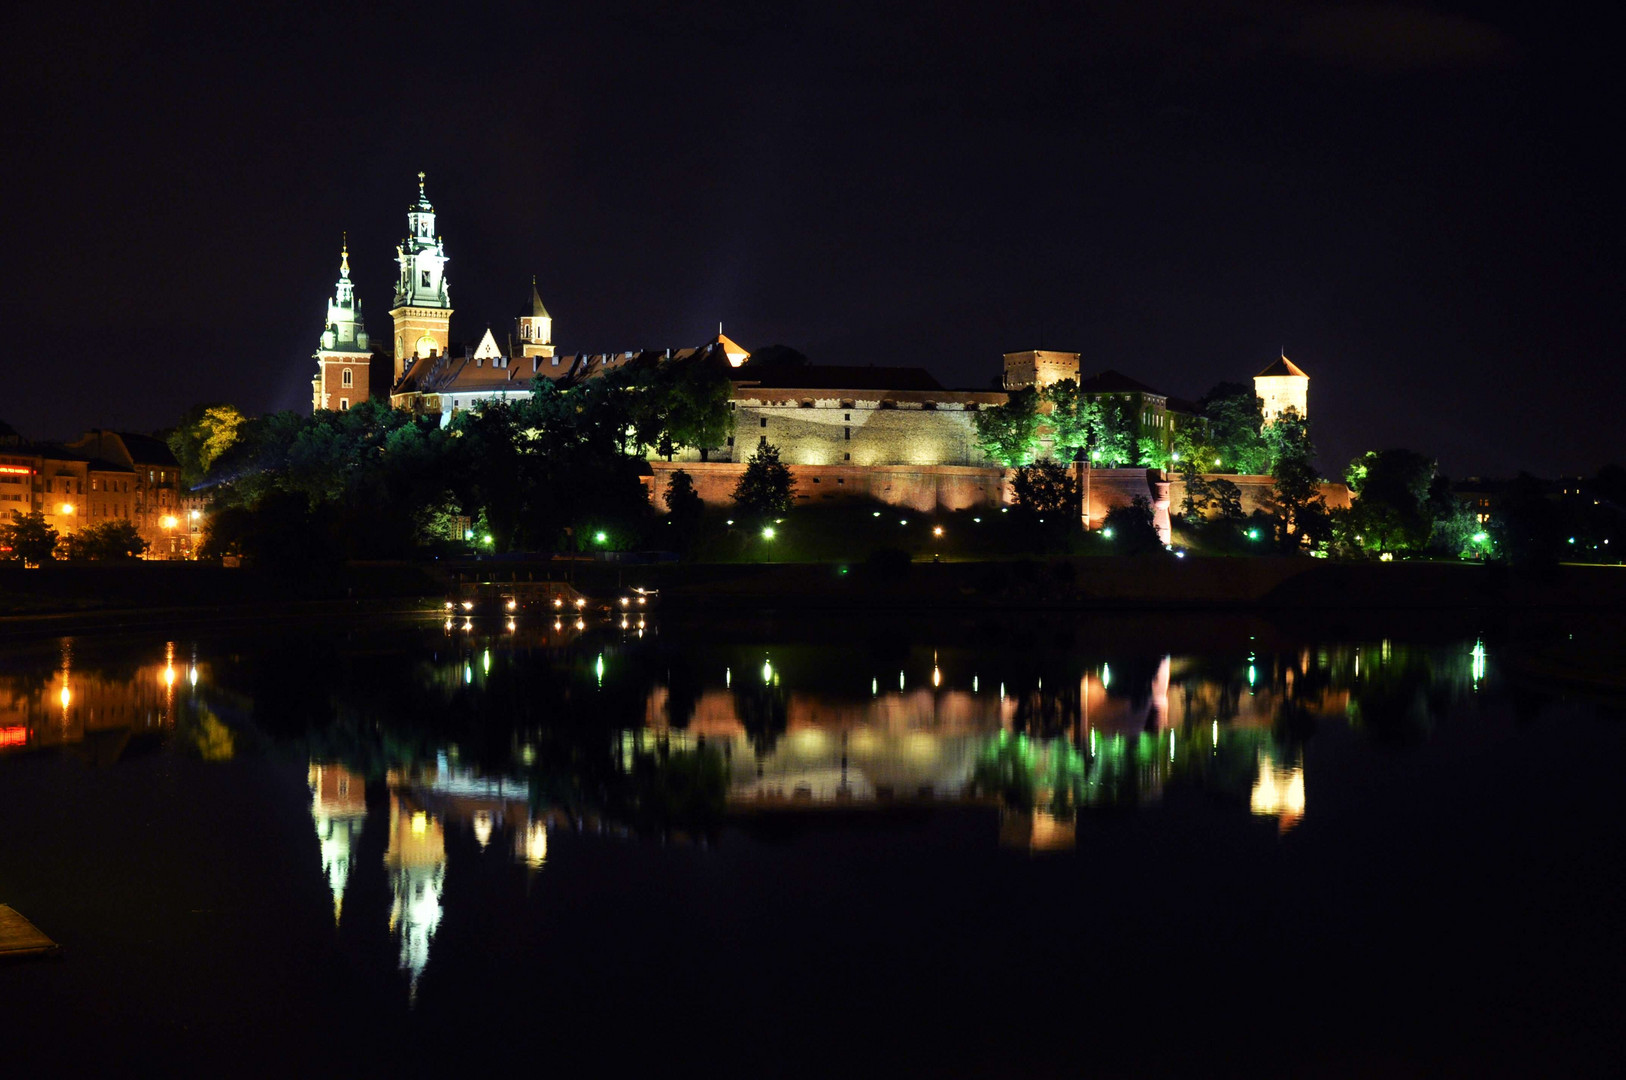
x: 1283, y: 385
x: 535, y: 326
x: 416, y: 861
x: 423, y: 306
x: 344, y: 352
x: 339, y: 806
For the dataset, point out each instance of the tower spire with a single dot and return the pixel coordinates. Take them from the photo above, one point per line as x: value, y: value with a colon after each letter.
x: 344, y: 256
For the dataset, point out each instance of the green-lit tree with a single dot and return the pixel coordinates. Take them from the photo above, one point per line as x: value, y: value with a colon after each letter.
x: 1302, y: 511
x: 1009, y: 433
x: 1235, y: 417
x: 766, y: 487
x: 1112, y: 435
x: 1071, y: 420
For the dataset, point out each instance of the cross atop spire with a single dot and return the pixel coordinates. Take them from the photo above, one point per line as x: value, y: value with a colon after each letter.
x: 344, y: 256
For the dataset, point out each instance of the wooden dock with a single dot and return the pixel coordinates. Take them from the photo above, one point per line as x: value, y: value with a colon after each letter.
x: 20, y: 938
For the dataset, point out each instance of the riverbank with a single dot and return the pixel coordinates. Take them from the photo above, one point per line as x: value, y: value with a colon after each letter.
x: 154, y: 593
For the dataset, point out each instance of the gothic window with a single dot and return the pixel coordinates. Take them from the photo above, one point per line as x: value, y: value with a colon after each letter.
x: 347, y: 380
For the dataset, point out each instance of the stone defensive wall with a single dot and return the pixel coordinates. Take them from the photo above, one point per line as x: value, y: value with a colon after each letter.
x: 858, y: 427
x: 1257, y: 492
x: 923, y: 488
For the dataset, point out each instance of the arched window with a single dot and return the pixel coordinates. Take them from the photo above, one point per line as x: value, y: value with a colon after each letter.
x: 347, y: 379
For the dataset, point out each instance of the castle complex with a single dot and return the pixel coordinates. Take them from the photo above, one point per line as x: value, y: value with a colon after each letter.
x: 891, y: 433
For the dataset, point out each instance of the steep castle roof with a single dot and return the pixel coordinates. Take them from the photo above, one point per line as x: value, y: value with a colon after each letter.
x: 1284, y: 366
x: 1115, y: 382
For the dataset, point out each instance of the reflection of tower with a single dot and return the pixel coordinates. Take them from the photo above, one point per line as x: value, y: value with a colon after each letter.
x: 416, y: 860
x: 1278, y: 791
x: 339, y: 805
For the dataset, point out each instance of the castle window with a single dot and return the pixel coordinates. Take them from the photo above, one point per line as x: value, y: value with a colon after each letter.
x: 347, y: 379
x: 344, y: 404
x: 847, y: 416
x: 847, y: 434
x: 846, y: 457
x: 764, y: 421
x: 424, y: 277
x: 731, y: 440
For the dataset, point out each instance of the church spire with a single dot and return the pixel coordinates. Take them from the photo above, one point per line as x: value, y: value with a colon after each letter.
x: 344, y: 257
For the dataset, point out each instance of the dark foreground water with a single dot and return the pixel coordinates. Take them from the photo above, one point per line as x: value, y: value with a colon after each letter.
x: 839, y: 848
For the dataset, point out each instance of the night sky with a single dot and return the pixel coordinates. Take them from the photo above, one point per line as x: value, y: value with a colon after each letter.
x: 1417, y: 202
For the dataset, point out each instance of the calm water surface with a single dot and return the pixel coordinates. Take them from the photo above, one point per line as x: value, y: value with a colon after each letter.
x: 1133, y: 846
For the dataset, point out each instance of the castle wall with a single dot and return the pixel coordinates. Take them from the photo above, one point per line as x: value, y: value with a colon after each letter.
x: 923, y: 488
x: 1258, y: 492
x: 842, y: 427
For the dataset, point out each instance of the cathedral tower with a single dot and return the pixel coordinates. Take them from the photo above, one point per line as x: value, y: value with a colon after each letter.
x: 535, y: 326
x: 344, y: 353
x: 423, y: 305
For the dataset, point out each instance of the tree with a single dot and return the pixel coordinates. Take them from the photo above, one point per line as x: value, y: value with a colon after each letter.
x: 1009, y: 433
x: 1072, y: 418
x: 203, y: 435
x: 1045, y: 488
x: 1112, y: 435
x: 110, y: 540
x: 1131, y: 528
x: 1303, y: 512
x: 766, y: 487
x: 29, y: 538
x: 1235, y: 417
x: 683, y: 507
x: 1396, y: 500
x: 698, y: 413
x: 1151, y: 453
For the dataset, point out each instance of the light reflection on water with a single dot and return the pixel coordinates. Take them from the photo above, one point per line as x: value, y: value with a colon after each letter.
x: 617, y: 733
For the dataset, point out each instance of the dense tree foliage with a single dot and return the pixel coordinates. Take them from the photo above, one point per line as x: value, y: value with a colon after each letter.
x: 27, y: 537
x: 1131, y: 529
x: 1112, y: 435
x: 1302, y: 512
x: 204, y: 433
x: 1234, y: 440
x: 1046, y: 488
x: 107, y: 541
x: 1009, y: 433
x: 539, y: 472
x: 766, y: 487
x: 1072, y: 419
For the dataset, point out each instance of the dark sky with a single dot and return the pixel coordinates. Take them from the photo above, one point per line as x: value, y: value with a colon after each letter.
x: 1417, y: 201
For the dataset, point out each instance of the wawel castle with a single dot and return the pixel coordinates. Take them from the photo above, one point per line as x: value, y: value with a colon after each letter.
x: 891, y: 433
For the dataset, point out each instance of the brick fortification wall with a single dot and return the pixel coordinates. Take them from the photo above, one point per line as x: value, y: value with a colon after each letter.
x: 922, y: 488
x: 1257, y: 493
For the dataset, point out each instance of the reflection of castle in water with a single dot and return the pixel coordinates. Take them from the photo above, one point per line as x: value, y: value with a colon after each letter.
x: 1037, y: 753
x: 339, y: 806
x: 424, y: 801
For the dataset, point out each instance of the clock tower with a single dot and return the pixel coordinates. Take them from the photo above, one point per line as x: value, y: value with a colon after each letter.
x: 423, y: 306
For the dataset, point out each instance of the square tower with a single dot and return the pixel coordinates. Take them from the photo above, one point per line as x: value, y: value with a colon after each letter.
x: 1039, y: 368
